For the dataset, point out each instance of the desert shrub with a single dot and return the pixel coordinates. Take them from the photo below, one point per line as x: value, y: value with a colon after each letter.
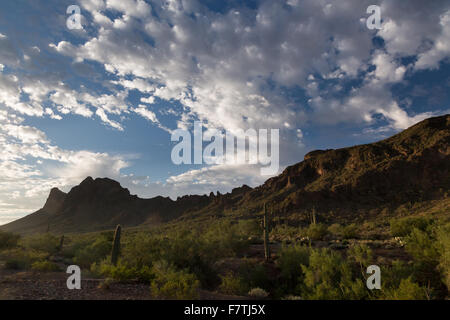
x: 289, y: 262
x: 196, y: 256
x: 443, y: 245
x: 249, y: 228
x: 222, y: 239
x: 233, y: 285
x: 350, y: 231
x: 122, y: 272
x: 361, y: 255
x: 335, y: 229
x: 407, y: 290
x: 425, y: 249
x: 20, y: 258
x: 421, y: 246
x: 392, y: 277
x: 8, y: 240
x: 328, y: 276
x: 317, y: 231
x: 86, y: 252
x: 258, y: 293
x: 45, y: 266
x: 347, y: 232
x: 170, y: 283
x: 142, y: 250
x: 254, y: 275
x: 43, y: 242
x: 394, y: 273
x: 404, y: 226
x: 283, y: 232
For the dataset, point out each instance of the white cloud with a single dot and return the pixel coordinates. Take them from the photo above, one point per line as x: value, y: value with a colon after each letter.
x: 386, y: 69
x: 25, y: 134
x: 147, y: 114
x: 441, y: 47
x: 149, y: 100
x: 102, y: 115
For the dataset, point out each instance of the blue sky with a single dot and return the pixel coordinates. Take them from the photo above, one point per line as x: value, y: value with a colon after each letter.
x: 103, y: 100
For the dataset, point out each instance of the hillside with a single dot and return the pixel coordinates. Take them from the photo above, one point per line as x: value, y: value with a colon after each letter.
x: 348, y: 183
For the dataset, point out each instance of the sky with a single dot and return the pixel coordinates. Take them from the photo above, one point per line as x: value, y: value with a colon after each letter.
x: 103, y: 100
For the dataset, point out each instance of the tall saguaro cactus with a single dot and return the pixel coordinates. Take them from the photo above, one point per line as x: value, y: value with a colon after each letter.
x: 116, y: 246
x: 266, y: 234
x: 313, y: 216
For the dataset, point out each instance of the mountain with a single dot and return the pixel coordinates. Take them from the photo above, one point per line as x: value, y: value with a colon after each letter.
x: 411, y: 166
x: 348, y: 183
x: 100, y: 204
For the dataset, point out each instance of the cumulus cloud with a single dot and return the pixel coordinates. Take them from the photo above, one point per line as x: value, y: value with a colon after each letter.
x: 147, y: 114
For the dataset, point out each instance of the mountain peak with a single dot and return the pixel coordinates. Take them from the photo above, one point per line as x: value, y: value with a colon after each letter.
x: 54, y: 201
x: 88, y: 180
x: 100, y: 188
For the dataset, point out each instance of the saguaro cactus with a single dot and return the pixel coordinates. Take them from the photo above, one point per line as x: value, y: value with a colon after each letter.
x: 116, y: 246
x: 313, y: 216
x: 61, y: 243
x: 266, y: 234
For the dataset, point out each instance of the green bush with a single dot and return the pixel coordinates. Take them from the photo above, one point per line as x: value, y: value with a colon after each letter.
x: 427, y: 254
x: 170, y: 283
x: 222, y: 239
x: 347, y: 232
x: 283, y: 232
x: 254, y: 275
x: 258, y: 293
x: 20, y: 258
x: 422, y: 247
x: 443, y: 245
x: 43, y: 242
x: 328, y: 276
x: 350, y: 231
x: 317, y: 231
x: 142, y: 250
x: 335, y: 229
x: 86, y: 253
x: 407, y: 290
x: 360, y: 254
x: 8, y: 240
x: 404, y: 226
x: 289, y: 262
x: 45, y: 266
x: 122, y: 272
x: 233, y: 285
x: 249, y: 228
